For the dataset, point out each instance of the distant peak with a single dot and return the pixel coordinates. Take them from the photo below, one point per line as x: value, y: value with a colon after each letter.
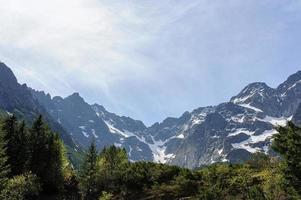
x: 294, y: 77
x: 292, y: 80
x: 6, y: 74
x: 99, y: 106
x: 256, y: 88
x: 257, y: 85
x: 57, y: 98
x: 75, y: 96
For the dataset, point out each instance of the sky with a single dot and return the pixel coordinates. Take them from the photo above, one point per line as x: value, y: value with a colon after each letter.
x: 150, y: 59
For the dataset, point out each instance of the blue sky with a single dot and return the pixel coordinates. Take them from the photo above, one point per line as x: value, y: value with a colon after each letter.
x: 150, y: 59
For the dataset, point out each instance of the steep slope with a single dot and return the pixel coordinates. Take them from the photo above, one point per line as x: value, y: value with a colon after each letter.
x: 242, y: 126
x: 297, y: 116
x: 86, y: 123
x: 17, y: 99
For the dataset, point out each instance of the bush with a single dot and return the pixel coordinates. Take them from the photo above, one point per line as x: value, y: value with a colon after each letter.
x: 106, y: 196
x: 21, y: 187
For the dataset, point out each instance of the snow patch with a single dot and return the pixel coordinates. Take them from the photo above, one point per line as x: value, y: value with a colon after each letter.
x: 240, y: 130
x: 85, y: 134
x: 238, y: 118
x: 158, y: 149
x: 253, y: 140
x: 181, y: 136
x: 117, y: 144
x: 242, y: 99
x: 94, y: 133
x: 139, y: 149
x: 250, y: 107
x: 220, y: 151
x: 130, y: 152
x: 82, y: 127
x: 282, y: 121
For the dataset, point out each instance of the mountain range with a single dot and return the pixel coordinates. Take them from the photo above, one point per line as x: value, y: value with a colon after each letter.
x: 228, y: 132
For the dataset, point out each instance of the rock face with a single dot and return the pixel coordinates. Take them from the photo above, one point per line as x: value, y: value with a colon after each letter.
x: 17, y: 99
x: 297, y: 116
x: 243, y: 126
x: 86, y: 123
x: 231, y: 131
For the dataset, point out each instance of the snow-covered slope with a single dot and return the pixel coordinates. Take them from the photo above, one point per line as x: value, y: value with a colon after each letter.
x: 230, y: 131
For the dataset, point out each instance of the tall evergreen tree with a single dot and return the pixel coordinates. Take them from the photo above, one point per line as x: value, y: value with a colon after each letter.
x: 4, y: 167
x: 22, y: 154
x: 288, y: 143
x: 88, y: 175
x: 46, y: 156
x: 38, y: 147
x: 9, y: 128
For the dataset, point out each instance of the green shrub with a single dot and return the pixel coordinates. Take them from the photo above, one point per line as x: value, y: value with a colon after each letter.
x: 21, y: 187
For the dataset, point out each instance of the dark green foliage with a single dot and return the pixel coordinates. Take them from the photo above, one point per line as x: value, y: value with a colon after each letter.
x: 259, y: 178
x: 9, y: 129
x: 182, y: 184
x: 17, y: 147
x: 88, y: 175
x: 37, y: 150
x: 46, y: 156
x: 288, y: 144
x: 41, y: 170
x: 4, y: 167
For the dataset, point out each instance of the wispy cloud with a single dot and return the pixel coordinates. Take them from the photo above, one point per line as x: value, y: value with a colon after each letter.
x: 146, y: 58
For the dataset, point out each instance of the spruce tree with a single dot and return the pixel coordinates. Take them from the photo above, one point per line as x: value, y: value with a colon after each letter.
x: 46, y: 157
x: 10, y: 131
x: 4, y: 167
x: 88, y: 175
x: 17, y: 144
x: 288, y: 144
x: 22, y: 154
x: 38, y: 148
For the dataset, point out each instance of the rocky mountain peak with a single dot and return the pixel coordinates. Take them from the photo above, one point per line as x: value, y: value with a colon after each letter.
x: 253, y: 91
x: 75, y: 97
x: 7, y: 77
x: 292, y: 81
x: 230, y: 131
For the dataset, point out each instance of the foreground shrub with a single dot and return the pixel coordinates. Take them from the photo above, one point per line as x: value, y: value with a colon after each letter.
x: 21, y: 188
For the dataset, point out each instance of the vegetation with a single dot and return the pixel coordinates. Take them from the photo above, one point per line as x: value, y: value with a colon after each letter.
x: 34, y: 165
x: 288, y: 144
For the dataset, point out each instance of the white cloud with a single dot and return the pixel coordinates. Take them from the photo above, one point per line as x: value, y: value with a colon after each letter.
x: 148, y: 58
x: 82, y: 37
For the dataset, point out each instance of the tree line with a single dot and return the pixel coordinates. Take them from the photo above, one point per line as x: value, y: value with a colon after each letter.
x: 34, y: 165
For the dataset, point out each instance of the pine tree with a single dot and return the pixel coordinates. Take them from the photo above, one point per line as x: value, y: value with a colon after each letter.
x: 288, y: 144
x: 88, y: 175
x: 22, y: 154
x: 46, y: 157
x: 10, y: 131
x: 38, y: 148
x: 4, y: 167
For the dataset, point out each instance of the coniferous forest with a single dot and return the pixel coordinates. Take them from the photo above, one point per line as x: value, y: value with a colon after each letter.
x: 34, y: 164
